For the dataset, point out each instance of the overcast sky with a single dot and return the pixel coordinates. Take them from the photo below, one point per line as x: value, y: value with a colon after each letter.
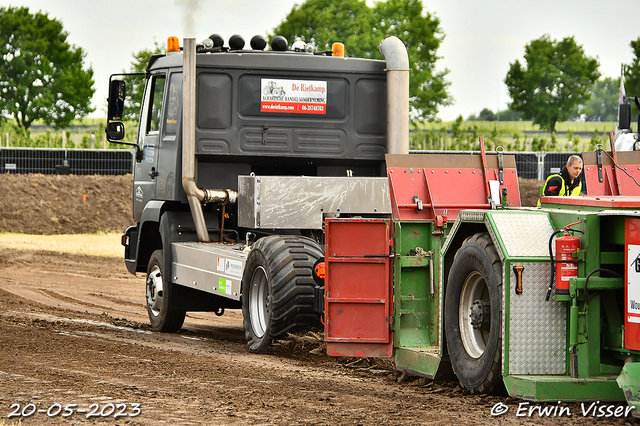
x: 481, y: 37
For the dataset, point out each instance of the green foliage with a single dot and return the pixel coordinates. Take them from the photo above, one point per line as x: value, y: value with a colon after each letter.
x: 632, y: 74
x: 361, y: 28
x: 41, y: 74
x: 135, y: 84
x: 632, y: 71
x: 603, y: 104
x: 597, y: 139
x: 421, y: 34
x: 487, y: 115
x: 510, y: 115
x: 514, y: 136
x: 324, y: 22
x: 556, y: 80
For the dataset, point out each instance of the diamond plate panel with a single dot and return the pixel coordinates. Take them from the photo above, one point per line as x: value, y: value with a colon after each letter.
x: 523, y: 234
x: 537, y: 328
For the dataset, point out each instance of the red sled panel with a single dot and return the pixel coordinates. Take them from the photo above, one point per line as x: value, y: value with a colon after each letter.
x: 425, y: 187
x: 358, y: 295
x: 632, y: 287
x: 603, y: 178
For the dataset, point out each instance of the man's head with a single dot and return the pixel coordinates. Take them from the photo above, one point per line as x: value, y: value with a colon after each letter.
x: 574, y: 166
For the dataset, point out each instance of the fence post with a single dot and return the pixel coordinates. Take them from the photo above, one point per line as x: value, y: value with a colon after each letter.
x: 540, y: 156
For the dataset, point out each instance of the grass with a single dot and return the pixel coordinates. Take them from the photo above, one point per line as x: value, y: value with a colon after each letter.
x: 527, y: 126
x: 101, y: 244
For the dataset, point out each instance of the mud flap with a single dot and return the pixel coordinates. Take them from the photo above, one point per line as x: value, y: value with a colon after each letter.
x: 629, y: 382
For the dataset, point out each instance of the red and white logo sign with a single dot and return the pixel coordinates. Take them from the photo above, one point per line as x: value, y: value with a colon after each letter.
x: 293, y: 96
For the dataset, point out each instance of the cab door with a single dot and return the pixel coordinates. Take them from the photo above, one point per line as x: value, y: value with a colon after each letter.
x: 146, y: 171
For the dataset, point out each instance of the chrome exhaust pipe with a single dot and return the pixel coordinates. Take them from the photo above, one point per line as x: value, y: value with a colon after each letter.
x: 196, y: 196
x: 397, y: 59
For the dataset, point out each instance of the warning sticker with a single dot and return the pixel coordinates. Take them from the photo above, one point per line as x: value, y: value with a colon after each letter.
x: 633, y: 284
x: 293, y: 96
x: 224, y: 286
x: 233, y: 267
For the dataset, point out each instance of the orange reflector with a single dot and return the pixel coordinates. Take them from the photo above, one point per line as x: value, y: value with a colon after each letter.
x: 173, y: 44
x: 123, y: 240
x: 320, y: 270
x: 337, y: 49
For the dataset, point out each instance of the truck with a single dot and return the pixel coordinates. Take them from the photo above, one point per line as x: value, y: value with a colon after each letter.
x: 307, y: 208
x: 241, y: 155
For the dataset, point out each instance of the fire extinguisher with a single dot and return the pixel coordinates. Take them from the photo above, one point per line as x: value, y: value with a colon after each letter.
x: 565, y: 247
x: 566, y: 267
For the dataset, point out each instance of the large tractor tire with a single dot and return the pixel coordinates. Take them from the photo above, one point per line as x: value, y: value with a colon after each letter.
x: 160, y: 297
x: 473, y: 315
x: 277, y: 289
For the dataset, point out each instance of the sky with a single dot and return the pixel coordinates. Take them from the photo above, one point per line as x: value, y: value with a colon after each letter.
x: 481, y: 38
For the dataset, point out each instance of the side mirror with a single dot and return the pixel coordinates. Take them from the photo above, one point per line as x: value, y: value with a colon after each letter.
x: 115, y: 131
x: 116, y: 99
x: 624, y: 120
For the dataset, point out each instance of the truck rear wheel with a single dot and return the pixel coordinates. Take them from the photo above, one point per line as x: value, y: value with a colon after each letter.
x: 277, y: 289
x: 160, y: 297
x: 473, y: 313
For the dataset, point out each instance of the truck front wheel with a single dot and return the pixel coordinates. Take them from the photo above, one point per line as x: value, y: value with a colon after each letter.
x: 473, y: 310
x: 160, y: 297
x: 277, y: 289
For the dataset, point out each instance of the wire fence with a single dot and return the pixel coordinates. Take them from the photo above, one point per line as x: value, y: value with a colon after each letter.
x: 66, y: 161
x: 530, y: 165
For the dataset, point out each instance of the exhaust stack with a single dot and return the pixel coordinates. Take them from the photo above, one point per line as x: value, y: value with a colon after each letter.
x: 195, y: 195
x: 397, y: 59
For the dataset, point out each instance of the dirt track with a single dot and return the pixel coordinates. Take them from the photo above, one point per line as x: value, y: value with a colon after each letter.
x: 74, y: 330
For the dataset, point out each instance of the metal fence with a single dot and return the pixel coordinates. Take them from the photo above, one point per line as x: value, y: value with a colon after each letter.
x: 66, y: 161
x: 530, y: 165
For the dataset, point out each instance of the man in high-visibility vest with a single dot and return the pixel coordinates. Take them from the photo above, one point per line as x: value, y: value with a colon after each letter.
x: 567, y: 182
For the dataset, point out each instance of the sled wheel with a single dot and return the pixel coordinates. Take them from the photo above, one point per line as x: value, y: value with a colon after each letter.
x: 473, y: 314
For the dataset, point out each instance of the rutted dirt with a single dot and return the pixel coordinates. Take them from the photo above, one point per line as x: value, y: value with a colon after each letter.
x: 54, y: 204
x: 74, y: 330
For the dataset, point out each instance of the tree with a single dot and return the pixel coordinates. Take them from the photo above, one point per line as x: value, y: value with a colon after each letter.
x: 603, y: 104
x: 632, y: 75
x: 135, y: 84
x: 486, y: 115
x: 556, y: 80
x: 41, y: 74
x: 632, y: 71
x: 509, y: 115
x: 361, y: 28
x: 324, y: 22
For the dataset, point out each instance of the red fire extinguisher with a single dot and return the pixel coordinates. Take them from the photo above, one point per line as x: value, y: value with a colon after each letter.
x: 565, y: 246
x: 566, y: 266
